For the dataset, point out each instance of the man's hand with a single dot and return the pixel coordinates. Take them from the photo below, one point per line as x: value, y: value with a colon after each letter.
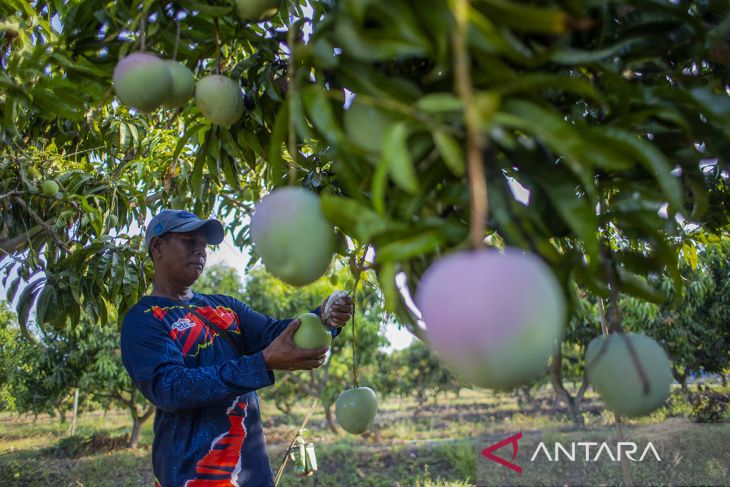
x: 340, y: 312
x: 283, y: 354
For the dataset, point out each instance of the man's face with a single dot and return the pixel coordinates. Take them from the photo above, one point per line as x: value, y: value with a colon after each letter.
x: 180, y: 257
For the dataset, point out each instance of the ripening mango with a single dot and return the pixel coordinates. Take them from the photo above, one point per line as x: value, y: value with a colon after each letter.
x: 292, y: 235
x: 495, y: 318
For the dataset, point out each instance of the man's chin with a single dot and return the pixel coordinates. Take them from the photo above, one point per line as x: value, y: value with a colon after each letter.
x: 194, y: 274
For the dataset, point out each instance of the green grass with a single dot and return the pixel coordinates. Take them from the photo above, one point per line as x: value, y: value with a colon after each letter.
x: 433, y: 446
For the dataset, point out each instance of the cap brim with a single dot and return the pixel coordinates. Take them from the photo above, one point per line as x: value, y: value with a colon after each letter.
x: 212, y: 229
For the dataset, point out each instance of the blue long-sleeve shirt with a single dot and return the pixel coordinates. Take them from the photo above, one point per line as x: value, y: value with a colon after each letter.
x: 207, y: 425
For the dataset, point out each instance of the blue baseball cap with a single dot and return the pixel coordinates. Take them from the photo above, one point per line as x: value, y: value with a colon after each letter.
x: 180, y: 221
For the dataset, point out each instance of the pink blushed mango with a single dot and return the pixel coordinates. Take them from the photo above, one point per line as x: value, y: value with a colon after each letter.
x: 292, y: 235
x: 495, y: 318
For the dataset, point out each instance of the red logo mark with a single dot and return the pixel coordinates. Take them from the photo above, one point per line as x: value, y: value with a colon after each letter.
x: 487, y: 452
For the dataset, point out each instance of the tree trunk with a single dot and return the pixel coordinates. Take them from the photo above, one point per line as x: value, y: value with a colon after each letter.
x: 681, y: 379
x: 75, y: 411
x: 330, y: 418
x: 723, y: 378
x: 524, y: 398
x: 137, y: 422
x: 582, y: 390
x: 136, y: 428
x: 556, y: 378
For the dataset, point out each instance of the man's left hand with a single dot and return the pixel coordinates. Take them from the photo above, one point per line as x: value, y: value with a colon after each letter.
x: 340, y: 311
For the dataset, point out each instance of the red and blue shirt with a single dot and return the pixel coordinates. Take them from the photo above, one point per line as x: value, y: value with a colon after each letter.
x: 207, y: 425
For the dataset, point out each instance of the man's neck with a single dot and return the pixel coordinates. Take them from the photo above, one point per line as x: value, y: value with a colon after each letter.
x: 169, y: 290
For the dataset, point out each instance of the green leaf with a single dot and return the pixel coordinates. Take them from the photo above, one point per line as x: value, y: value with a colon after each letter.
x: 524, y: 17
x: 451, y: 152
x: 395, y: 152
x: 637, y: 286
x: 425, y: 243
x: 278, y: 136
x: 25, y: 302
x: 377, y: 189
x: 577, y: 56
x: 12, y: 289
x: 712, y: 103
x: 578, y: 213
x: 248, y: 139
x: 321, y: 114
x: 386, y: 276
x: 653, y: 161
x: 189, y: 132
x: 354, y: 218
x: 534, y: 82
x: 439, y: 102
x: 196, y: 185
x: 118, y: 271
x: 46, y: 297
x: 557, y: 134
x: 205, y: 9
x: 230, y: 172
x: 123, y: 137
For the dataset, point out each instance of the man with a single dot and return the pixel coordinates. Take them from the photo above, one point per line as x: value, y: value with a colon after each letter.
x: 200, y: 359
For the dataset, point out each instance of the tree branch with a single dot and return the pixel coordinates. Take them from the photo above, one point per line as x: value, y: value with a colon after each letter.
x: 40, y: 222
x: 17, y: 243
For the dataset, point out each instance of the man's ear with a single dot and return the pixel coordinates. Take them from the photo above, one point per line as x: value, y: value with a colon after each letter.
x: 155, y: 249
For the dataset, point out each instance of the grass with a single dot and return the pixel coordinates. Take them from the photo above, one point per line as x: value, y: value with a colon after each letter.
x: 435, y: 446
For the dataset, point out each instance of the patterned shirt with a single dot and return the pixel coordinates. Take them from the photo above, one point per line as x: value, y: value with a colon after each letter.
x: 207, y: 425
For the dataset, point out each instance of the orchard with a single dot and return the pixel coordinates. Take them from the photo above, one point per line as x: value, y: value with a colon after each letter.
x: 537, y: 192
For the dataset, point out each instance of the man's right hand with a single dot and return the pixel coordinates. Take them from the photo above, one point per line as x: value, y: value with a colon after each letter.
x: 283, y: 354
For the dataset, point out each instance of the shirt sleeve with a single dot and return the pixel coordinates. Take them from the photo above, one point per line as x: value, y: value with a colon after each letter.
x: 156, y: 365
x: 259, y: 330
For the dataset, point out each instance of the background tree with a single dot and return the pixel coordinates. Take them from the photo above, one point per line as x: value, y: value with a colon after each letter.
x: 416, y: 372
x: 9, y: 337
x: 220, y: 279
x: 696, y: 332
x: 85, y: 356
x: 568, y: 364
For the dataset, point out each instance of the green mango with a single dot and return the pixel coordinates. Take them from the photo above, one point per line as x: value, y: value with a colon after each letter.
x: 49, y: 187
x: 355, y: 409
x: 613, y: 373
x: 182, y: 87
x: 220, y: 99
x: 143, y: 81
x: 312, y: 333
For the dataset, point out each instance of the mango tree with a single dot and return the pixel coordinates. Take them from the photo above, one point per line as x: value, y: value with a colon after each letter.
x: 415, y: 125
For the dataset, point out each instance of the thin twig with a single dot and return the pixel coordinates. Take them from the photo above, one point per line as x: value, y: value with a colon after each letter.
x: 292, y: 96
x: 177, y: 39
x: 11, y: 193
x: 143, y: 31
x: 217, y: 47
x: 476, y: 142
